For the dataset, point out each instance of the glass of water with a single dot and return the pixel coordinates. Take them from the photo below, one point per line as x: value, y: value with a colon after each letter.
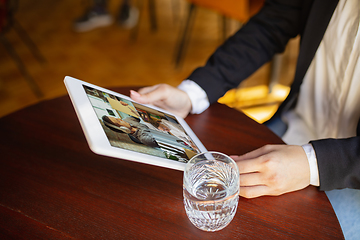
x: 211, y: 190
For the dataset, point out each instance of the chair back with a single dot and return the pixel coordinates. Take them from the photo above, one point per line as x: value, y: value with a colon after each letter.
x: 240, y: 10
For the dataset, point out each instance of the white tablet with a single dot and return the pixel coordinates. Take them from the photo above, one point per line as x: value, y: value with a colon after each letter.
x: 116, y: 126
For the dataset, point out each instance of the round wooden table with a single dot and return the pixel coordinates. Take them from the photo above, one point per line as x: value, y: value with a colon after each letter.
x: 53, y: 187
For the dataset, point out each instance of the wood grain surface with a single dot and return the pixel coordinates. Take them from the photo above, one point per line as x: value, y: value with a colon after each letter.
x: 53, y: 187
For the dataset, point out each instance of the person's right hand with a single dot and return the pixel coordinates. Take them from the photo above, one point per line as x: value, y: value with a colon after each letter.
x: 273, y: 170
x: 166, y: 97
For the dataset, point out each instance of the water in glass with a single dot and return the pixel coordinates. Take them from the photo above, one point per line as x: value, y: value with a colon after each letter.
x: 211, y: 191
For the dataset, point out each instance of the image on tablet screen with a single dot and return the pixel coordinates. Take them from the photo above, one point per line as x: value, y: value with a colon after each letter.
x: 138, y: 128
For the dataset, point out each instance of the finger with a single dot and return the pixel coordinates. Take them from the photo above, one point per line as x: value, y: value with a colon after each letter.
x: 251, y: 179
x: 249, y: 166
x: 254, y: 154
x: 135, y: 95
x: 145, y: 99
x: 250, y: 155
x: 148, y: 95
x: 254, y: 191
x: 145, y: 90
x: 259, y: 152
x: 234, y: 157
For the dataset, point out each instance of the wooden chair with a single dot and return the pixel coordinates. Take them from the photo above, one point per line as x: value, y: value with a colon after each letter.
x: 152, y: 18
x: 8, y: 22
x: 240, y: 10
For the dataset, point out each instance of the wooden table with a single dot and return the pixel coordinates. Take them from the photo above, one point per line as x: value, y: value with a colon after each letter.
x: 53, y: 187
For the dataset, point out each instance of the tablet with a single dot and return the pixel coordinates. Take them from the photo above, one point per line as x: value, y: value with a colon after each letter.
x: 116, y: 126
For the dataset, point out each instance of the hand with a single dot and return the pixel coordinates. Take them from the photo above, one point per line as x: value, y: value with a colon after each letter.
x: 273, y: 170
x: 166, y: 97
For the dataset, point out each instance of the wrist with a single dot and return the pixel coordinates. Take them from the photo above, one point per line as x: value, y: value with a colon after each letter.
x: 314, y: 171
x: 197, y: 96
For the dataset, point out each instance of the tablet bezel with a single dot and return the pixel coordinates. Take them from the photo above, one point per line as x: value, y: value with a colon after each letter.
x: 95, y: 134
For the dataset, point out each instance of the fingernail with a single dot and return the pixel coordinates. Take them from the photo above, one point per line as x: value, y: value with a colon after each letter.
x: 134, y: 93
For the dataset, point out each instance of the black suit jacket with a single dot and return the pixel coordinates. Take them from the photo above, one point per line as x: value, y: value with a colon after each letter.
x: 265, y: 34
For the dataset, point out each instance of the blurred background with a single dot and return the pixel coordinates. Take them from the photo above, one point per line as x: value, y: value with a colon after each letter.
x: 114, y: 55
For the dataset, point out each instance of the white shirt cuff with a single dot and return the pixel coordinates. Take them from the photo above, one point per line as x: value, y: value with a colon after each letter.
x: 314, y: 171
x: 197, y: 95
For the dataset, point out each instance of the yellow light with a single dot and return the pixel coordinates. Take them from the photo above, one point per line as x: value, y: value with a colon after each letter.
x: 256, y: 102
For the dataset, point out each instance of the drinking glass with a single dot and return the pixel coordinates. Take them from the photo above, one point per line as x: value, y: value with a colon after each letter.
x: 211, y: 190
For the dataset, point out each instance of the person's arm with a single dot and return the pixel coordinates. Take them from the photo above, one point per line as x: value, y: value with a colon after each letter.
x: 252, y: 46
x: 338, y: 162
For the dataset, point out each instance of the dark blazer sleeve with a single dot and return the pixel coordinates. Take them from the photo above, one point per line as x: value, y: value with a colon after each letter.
x: 253, y: 45
x: 338, y: 162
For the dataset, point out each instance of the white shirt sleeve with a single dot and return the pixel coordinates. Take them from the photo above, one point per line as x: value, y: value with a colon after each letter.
x: 197, y: 95
x: 314, y: 171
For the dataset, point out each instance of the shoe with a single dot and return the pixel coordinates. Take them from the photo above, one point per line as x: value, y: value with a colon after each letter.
x: 94, y: 18
x: 128, y: 16
x: 117, y: 124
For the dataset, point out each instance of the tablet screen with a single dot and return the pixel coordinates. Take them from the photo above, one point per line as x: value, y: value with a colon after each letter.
x: 135, y: 127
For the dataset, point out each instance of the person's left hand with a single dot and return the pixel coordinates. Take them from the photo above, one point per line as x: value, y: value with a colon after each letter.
x: 273, y: 170
x: 164, y: 96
